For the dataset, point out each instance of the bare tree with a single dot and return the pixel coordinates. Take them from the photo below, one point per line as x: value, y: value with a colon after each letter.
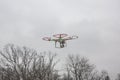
x: 26, y: 64
x: 79, y: 67
x: 104, y: 75
x: 118, y: 76
x: 18, y: 59
x: 22, y: 63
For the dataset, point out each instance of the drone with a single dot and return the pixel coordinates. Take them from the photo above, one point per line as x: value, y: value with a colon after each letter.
x: 60, y: 39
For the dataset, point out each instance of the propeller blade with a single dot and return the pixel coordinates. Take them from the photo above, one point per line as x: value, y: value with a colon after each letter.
x: 47, y: 38
x: 60, y: 35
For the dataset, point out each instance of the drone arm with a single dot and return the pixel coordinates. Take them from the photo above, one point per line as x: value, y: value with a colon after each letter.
x: 49, y: 39
x: 71, y: 38
x: 53, y: 40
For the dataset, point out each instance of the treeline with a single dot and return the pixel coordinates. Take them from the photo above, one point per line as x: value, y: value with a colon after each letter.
x: 22, y: 63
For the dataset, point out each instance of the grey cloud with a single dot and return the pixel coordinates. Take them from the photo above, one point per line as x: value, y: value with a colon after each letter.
x: 96, y: 22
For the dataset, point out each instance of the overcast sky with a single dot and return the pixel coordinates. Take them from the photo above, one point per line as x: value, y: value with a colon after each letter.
x: 96, y: 22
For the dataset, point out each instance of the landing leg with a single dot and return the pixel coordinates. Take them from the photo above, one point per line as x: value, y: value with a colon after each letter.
x: 55, y: 43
